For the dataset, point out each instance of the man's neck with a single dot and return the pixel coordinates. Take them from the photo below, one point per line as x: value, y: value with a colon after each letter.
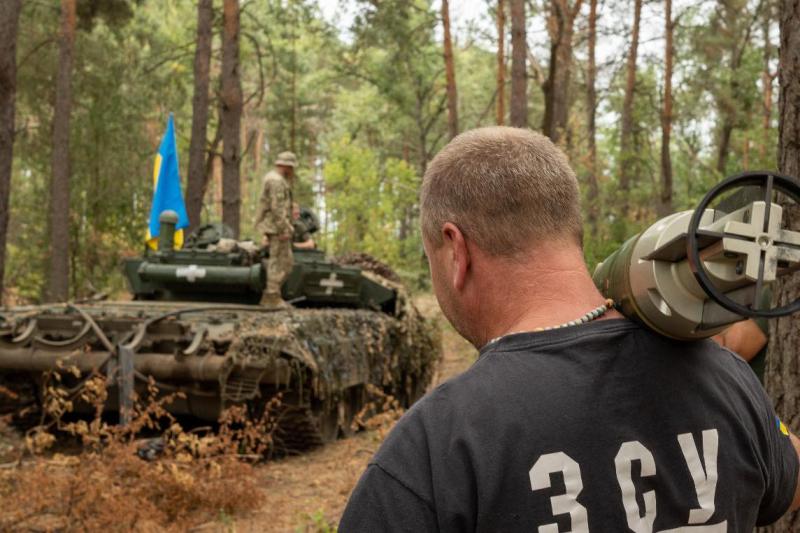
x: 526, y: 297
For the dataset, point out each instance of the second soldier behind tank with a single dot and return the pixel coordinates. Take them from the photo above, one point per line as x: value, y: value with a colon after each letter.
x: 301, y: 238
x: 275, y: 223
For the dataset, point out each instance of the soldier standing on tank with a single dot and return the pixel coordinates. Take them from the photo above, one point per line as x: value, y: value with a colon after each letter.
x: 275, y: 223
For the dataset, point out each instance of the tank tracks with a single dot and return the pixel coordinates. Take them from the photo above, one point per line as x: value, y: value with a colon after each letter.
x: 300, y: 429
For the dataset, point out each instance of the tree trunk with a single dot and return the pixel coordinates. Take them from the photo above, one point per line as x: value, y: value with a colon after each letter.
x: 501, y: 62
x: 591, y: 121
x: 450, y: 71
x: 782, y: 377
x: 519, y: 77
x: 257, y: 151
x: 293, y: 125
x: 9, y: 24
x: 231, y: 116
x: 766, y: 79
x: 211, y: 170
x: 560, y: 25
x: 197, y: 147
x: 665, y: 201
x: 422, y: 136
x: 58, y: 279
x: 626, y: 156
x: 723, y: 146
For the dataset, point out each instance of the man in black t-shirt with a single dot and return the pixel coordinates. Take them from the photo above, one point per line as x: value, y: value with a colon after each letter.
x: 573, y: 418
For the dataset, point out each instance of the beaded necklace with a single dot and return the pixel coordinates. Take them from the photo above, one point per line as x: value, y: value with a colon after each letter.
x: 594, y: 314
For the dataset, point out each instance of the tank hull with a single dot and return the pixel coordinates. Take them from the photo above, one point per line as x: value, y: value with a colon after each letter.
x: 320, y: 361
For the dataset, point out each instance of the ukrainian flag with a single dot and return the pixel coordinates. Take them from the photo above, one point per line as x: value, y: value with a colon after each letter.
x: 167, y: 186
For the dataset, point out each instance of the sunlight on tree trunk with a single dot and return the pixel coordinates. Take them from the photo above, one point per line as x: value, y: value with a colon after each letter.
x: 519, y: 76
x: 501, y: 62
x: 591, y: 121
x: 58, y: 279
x: 450, y: 71
x: 626, y: 157
x: 231, y: 117
x: 560, y: 26
x: 197, y: 148
x: 665, y: 198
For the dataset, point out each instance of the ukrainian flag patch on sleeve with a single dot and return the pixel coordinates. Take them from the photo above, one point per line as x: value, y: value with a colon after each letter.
x: 781, y: 426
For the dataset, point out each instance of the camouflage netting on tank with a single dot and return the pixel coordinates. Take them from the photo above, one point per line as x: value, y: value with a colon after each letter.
x: 368, y: 263
x: 343, y: 348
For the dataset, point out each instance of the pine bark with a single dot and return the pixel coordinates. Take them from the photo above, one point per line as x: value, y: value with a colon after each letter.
x: 591, y: 120
x: 231, y: 116
x: 450, y: 73
x: 782, y: 377
x: 197, y: 146
x: 724, y: 144
x: 501, y: 62
x: 766, y: 79
x: 561, y: 23
x: 665, y: 199
x: 9, y: 26
x: 58, y: 278
x: 519, y: 77
x: 627, y: 157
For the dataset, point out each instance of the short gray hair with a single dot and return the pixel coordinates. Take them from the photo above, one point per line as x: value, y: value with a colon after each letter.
x: 505, y: 188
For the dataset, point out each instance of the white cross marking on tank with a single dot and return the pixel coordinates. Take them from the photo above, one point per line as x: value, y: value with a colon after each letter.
x: 331, y: 282
x: 191, y: 273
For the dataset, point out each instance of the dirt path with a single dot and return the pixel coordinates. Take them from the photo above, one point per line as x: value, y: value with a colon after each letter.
x: 308, y: 493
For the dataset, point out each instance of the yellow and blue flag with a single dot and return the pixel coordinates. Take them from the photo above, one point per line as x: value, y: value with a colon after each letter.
x: 167, y: 187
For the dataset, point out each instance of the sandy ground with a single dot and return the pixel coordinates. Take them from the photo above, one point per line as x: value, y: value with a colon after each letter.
x: 308, y: 493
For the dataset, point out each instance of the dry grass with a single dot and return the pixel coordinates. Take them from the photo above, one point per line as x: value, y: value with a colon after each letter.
x: 114, y: 490
x: 197, y: 478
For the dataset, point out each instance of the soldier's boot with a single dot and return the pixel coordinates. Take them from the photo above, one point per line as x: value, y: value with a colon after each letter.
x: 273, y: 300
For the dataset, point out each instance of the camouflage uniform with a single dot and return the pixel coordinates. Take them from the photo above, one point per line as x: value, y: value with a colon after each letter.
x: 274, y: 221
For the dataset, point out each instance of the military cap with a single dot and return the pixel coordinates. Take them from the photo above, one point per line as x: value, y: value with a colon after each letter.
x: 286, y: 159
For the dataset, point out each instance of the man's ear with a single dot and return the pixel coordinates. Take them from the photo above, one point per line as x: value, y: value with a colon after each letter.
x: 460, y: 254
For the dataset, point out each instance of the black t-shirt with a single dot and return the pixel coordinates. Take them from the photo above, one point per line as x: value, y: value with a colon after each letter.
x: 605, y: 427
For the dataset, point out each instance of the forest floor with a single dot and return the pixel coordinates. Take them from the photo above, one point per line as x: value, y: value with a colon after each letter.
x: 305, y: 493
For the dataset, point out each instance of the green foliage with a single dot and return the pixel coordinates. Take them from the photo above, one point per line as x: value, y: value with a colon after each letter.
x: 115, y: 127
x: 371, y: 205
x: 364, y: 109
x: 317, y: 523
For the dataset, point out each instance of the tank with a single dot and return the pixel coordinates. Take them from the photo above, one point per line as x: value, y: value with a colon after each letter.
x: 195, y: 327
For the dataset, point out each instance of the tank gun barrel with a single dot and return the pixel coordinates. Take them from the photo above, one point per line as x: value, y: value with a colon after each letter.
x: 162, y: 367
x: 205, y: 276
